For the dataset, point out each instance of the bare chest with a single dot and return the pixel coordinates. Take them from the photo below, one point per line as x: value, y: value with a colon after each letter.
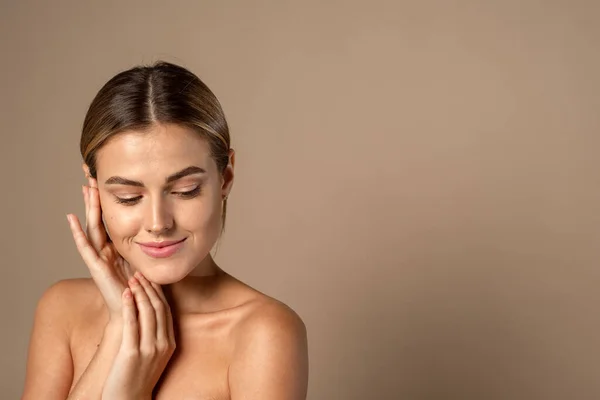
x: 198, y: 370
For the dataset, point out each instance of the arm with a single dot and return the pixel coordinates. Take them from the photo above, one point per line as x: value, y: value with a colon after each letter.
x: 49, y: 363
x: 271, y: 357
x: 91, y: 382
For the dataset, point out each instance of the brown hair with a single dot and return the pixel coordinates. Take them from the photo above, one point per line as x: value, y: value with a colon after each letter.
x: 139, y: 97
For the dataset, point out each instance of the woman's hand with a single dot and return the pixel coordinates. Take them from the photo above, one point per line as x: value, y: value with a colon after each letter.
x: 147, y: 345
x: 108, y: 269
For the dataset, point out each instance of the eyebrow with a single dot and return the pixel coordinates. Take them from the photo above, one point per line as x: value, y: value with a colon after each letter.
x: 191, y: 170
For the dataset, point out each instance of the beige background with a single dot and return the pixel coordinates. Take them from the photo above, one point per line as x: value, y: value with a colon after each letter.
x: 418, y: 180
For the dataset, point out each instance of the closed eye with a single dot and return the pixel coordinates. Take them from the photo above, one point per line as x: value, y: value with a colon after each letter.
x: 184, y: 194
x: 127, y: 201
x: 190, y: 193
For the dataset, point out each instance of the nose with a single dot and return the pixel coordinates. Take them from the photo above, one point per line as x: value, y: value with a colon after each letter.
x: 159, y: 219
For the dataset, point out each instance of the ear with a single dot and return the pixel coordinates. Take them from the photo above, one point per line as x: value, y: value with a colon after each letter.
x: 91, y: 181
x: 86, y: 170
x: 228, y: 175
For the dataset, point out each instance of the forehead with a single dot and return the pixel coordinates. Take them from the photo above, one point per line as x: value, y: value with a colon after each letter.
x: 159, y: 150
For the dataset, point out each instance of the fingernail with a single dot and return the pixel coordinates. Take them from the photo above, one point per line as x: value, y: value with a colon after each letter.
x: 69, y: 218
x: 127, y: 293
x: 134, y: 281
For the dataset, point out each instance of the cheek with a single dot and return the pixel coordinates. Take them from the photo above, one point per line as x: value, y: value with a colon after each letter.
x: 120, y: 223
x: 202, y: 218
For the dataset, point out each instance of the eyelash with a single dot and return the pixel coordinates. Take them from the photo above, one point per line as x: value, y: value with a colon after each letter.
x: 185, y: 195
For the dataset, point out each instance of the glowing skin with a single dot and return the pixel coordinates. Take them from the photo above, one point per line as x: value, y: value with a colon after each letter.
x: 162, y: 206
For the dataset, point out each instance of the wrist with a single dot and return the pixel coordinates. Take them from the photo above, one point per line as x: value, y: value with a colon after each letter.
x: 114, y: 323
x: 113, y: 330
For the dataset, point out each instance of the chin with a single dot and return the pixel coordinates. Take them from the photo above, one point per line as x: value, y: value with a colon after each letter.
x: 165, y: 271
x: 162, y: 274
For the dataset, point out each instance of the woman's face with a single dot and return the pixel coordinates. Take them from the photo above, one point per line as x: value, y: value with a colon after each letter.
x: 157, y: 187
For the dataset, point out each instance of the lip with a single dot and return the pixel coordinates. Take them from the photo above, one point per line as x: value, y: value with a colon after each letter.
x: 161, y: 249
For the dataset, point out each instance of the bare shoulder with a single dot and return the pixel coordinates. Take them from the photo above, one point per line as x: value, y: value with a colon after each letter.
x: 60, y: 309
x: 268, y: 316
x: 260, y: 314
x: 270, y: 360
x: 68, y: 299
x: 72, y: 292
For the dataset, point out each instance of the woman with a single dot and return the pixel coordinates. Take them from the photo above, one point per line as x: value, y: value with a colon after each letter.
x: 159, y: 319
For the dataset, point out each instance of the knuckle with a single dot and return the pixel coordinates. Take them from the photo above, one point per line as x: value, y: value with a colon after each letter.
x: 159, y: 306
x: 162, y: 346
x: 148, y: 351
x: 131, y: 353
x: 145, y: 305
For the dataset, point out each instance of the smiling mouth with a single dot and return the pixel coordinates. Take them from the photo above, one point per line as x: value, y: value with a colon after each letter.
x: 161, y: 249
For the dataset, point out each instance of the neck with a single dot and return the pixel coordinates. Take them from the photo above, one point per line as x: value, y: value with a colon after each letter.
x: 191, y: 294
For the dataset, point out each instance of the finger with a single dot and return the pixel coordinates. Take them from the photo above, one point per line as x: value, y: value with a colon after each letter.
x: 87, y: 252
x: 162, y: 333
x: 146, y: 315
x: 130, y: 323
x: 169, y: 313
x: 84, y: 190
x: 159, y: 292
x: 121, y: 266
x: 91, y: 183
x: 96, y: 231
x: 102, y: 274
